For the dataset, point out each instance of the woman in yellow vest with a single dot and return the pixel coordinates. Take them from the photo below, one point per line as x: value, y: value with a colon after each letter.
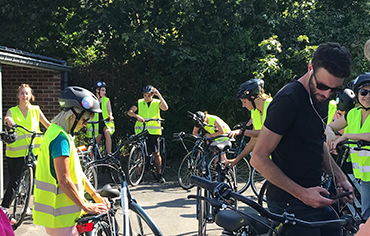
x: 149, y: 107
x: 254, y: 98
x: 357, y: 127
x: 29, y: 116
x: 59, y: 179
x: 107, y: 129
x: 221, y: 126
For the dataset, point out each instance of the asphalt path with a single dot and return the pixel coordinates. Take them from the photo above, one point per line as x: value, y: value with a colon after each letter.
x: 167, y: 204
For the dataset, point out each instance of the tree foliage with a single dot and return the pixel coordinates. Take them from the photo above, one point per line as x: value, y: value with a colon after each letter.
x: 196, y: 52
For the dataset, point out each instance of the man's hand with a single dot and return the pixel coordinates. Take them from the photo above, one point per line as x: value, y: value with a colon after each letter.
x: 95, y: 208
x: 345, y: 186
x: 314, y: 197
x: 140, y: 119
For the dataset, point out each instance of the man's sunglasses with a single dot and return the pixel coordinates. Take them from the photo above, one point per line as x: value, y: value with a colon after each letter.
x: 364, y: 92
x: 324, y: 87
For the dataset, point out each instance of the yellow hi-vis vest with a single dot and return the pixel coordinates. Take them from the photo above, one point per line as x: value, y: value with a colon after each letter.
x: 331, y: 111
x: 256, y: 115
x: 20, y: 147
x: 153, y: 111
x: 109, y: 124
x: 52, y: 207
x: 211, y: 130
x: 360, y: 159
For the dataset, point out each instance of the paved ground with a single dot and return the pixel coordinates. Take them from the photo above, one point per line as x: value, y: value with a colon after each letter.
x: 167, y: 204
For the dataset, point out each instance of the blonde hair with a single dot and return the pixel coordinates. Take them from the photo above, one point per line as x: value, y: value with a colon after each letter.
x: 62, y: 119
x: 367, y: 49
x: 22, y: 86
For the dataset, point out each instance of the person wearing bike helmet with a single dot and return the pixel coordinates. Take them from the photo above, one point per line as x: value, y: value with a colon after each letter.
x: 149, y: 107
x: 293, y: 135
x: 59, y: 180
x: 344, y: 102
x: 216, y: 125
x: 29, y: 116
x: 357, y: 127
x: 253, y: 97
x: 106, y: 129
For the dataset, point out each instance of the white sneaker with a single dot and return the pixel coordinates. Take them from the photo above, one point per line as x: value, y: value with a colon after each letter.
x: 28, y: 211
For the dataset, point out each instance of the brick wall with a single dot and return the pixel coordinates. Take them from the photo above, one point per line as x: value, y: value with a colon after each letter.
x: 45, y: 85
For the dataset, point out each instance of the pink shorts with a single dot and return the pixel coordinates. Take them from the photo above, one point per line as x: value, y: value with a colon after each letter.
x: 62, y: 231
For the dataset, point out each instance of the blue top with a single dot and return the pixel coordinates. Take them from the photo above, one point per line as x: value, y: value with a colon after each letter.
x: 58, y: 147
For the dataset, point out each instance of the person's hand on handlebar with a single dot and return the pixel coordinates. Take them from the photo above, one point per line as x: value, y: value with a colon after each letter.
x: 335, y: 142
x: 111, y: 117
x: 315, y: 197
x: 347, y: 187
x: 9, y: 121
x: 232, y: 134
x: 140, y: 119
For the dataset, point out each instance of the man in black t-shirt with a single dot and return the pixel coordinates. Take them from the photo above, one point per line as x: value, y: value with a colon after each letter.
x: 293, y: 133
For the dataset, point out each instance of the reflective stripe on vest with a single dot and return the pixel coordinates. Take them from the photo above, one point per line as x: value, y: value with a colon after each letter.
x: 109, y: 124
x: 211, y: 121
x: 52, y: 207
x: 331, y: 111
x: 153, y: 111
x: 20, y: 147
x: 257, y: 118
x: 360, y: 159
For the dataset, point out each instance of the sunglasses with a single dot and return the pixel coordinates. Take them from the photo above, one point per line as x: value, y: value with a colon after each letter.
x: 324, y: 87
x: 364, y: 92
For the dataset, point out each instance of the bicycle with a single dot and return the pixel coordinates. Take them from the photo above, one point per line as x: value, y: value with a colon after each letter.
x: 24, y: 186
x: 139, y: 158
x: 141, y: 223
x: 235, y: 222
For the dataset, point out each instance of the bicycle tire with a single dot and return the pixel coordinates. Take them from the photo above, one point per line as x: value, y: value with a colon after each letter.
x: 141, y: 224
x: 22, y: 196
x: 162, y: 148
x: 201, y: 212
x: 229, y: 176
x: 92, y: 176
x: 257, y: 181
x: 190, y: 165
x: 262, y: 193
x: 135, y: 165
x: 243, y: 172
x: 101, y: 229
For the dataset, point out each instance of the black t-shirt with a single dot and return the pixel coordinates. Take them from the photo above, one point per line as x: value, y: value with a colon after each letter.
x: 300, y: 152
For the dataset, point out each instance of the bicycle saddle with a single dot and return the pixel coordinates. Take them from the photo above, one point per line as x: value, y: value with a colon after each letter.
x: 232, y: 221
x: 220, y: 146
x: 105, y: 191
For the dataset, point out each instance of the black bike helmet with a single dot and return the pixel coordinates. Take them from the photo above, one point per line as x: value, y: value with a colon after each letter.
x: 148, y: 89
x: 346, y: 100
x: 9, y: 136
x: 199, y: 119
x: 74, y: 96
x: 252, y: 87
x: 100, y: 84
x: 361, y: 81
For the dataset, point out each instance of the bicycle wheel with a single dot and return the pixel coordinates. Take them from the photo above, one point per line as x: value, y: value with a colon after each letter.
x: 22, y: 196
x: 101, y: 229
x: 257, y: 181
x: 140, y: 223
x: 243, y: 172
x: 202, y: 212
x: 190, y: 165
x: 162, y: 148
x: 92, y: 176
x: 262, y: 193
x: 135, y: 165
x: 229, y: 175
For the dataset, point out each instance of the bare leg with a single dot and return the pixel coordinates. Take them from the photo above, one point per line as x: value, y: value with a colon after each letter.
x: 108, y: 140
x: 158, y: 162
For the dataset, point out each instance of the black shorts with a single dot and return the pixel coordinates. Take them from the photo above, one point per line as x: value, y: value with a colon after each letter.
x: 152, y: 143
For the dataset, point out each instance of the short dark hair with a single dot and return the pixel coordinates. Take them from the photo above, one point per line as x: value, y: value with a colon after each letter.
x: 334, y: 58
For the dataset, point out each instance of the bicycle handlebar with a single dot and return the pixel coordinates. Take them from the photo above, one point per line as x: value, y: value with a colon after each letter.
x: 131, y: 139
x: 24, y: 128
x: 224, y: 190
x: 205, y: 138
x: 99, y: 121
x: 360, y: 144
